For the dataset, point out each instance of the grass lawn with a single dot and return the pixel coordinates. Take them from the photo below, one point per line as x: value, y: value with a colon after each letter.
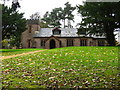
x: 8, y: 52
x: 69, y: 67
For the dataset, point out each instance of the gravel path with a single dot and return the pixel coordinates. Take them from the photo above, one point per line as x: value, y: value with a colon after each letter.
x: 6, y: 57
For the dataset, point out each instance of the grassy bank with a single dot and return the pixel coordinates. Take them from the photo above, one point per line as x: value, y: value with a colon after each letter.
x: 70, y: 67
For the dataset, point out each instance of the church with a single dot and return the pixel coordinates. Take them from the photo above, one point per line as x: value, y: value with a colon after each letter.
x: 48, y: 38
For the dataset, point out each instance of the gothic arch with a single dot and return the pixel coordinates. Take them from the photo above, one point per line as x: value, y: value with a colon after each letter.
x: 52, y: 44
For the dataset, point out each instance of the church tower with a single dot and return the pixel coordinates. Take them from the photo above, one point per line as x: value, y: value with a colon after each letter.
x: 27, y: 39
x: 33, y: 25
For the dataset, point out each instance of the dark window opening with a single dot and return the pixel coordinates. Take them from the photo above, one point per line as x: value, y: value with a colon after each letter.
x: 56, y: 32
x: 34, y: 44
x: 83, y: 42
x: 60, y: 44
x: 91, y: 43
x: 30, y: 29
x: 69, y: 42
x: 42, y: 42
x: 101, y: 43
x: 29, y: 41
x: 52, y: 44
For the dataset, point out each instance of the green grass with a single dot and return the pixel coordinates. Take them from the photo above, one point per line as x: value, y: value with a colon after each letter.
x: 8, y: 52
x: 70, y: 67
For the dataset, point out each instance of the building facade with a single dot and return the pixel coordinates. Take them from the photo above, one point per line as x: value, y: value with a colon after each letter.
x: 48, y: 38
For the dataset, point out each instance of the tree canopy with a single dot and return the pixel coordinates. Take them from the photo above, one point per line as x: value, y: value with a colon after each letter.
x: 35, y: 16
x: 59, y: 14
x: 53, y: 18
x: 67, y: 13
x: 13, y: 24
x: 101, y: 18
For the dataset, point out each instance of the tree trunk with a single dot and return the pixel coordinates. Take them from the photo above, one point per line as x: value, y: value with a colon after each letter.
x: 110, y: 38
x: 109, y: 34
x: 64, y: 23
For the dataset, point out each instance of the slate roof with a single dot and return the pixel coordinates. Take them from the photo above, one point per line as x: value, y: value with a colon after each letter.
x: 65, y: 32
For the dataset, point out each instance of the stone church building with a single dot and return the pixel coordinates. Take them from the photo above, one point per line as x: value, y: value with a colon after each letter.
x: 48, y: 38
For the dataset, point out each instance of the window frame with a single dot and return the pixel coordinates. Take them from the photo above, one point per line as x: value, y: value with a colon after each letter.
x: 42, y: 43
x: 101, y: 43
x: 30, y: 28
x: 83, y: 42
x: 70, y: 42
x: 56, y: 32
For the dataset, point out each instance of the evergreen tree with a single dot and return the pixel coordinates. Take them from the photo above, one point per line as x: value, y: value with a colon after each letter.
x: 13, y: 24
x: 101, y: 18
x: 53, y: 18
x: 67, y: 13
x: 57, y: 15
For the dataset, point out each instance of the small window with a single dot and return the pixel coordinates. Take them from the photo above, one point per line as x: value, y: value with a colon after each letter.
x: 56, y: 32
x: 60, y: 44
x: 83, y: 42
x: 70, y: 42
x: 42, y: 43
x: 30, y: 28
x: 29, y: 43
x: 101, y: 42
x: 34, y: 44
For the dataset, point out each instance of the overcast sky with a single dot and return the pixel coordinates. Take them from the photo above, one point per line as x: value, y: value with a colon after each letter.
x: 32, y: 6
x: 29, y: 7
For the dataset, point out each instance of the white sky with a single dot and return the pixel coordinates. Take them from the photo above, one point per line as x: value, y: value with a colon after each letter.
x: 32, y: 6
x: 29, y: 7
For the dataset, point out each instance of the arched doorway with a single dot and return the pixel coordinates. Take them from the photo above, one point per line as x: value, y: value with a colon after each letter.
x: 52, y: 44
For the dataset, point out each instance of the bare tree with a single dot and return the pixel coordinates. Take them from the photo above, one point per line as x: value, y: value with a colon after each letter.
x: 35, y: 16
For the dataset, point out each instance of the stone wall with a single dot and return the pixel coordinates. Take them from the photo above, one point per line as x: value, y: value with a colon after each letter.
x: 76, y: 42
x: 36, y: 42
x: 27, y: 36
x: 28, y: 41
